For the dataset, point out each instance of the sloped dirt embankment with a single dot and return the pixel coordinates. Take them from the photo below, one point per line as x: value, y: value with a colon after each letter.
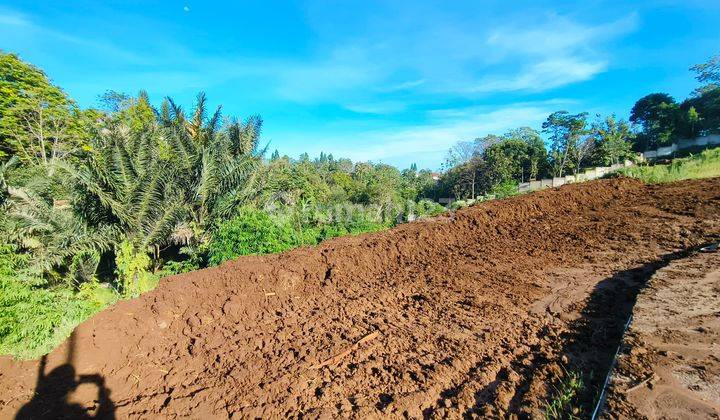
x: 476, y: 313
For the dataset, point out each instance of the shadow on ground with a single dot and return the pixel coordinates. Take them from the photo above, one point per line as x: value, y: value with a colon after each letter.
x: 593, y: 339
x: 51, y: 399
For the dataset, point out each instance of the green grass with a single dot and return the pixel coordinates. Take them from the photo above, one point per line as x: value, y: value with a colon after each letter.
x: 563, y: 404
x: 703, y: 165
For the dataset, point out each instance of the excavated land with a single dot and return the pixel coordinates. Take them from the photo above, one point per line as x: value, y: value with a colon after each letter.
x: 478, y: 313
x: 669, y: 362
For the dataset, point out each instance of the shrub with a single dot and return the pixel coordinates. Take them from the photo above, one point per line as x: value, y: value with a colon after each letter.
x: 132, y: 270
x: 171, y: 268
x: 428, y: 208
x: 505, y: 189
x: 251, y: 232
x: 35, y: 318
x: 460, y: 204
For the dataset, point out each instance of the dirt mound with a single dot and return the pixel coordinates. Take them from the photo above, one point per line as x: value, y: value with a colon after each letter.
x: 669, y: 364
x: 475, y: 313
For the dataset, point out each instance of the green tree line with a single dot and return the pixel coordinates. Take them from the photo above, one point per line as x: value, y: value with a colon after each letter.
x: 566, y: 143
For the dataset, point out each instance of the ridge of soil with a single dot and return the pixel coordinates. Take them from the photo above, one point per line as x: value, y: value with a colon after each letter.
x: 669, y: 364
x: 475, y: 313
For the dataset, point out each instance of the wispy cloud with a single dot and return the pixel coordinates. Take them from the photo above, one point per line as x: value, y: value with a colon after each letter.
x: 542, y: 76
x: 26, y: 26
x: 556, y: 35
x: 403, y: 85
x: 438, y: 137
x: 380, y: 107
x: 435, y: 136
x: 12, y: 18
x: 377, y: 69
x: 450, y: 57
x: 424, y: 67
x: 554, y: 54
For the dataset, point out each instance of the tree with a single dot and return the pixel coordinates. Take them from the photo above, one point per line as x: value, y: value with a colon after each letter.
x: 612, y: 140
x: 43, y: 134
x: 657, y: 113
x: 692, y: 118
x: 536, y: 164
x: 466, y: 180
x: 566, y: 131
x: 460, y: 153
x: 506, y: 161
x: 701, y: 112
x: 126, y: 182
x: 706, y: 116
x: 216, y: 166
x: 463, y: 151
x: 55, y: 239
x: 582, y: 149
x: 138, y: 113
x: 114, y: 101
x: 708, y: 73
x: 167, y: 181
x: 29, y: 101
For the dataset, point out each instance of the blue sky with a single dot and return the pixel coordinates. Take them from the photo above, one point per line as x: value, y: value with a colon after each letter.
x: 388, y: 81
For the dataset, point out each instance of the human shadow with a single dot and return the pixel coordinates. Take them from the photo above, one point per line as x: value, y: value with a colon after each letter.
x: 50, y: 400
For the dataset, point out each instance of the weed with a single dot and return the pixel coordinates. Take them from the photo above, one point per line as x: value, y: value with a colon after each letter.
x: 703, y: 165
x: 563, y: 403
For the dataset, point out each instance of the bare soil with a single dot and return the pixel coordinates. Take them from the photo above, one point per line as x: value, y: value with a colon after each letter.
x: 669, y: 364
x: 477, y: 313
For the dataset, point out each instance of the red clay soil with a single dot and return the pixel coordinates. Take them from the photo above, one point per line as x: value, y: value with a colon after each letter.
x: 475, y: 313
x: 669, y: 364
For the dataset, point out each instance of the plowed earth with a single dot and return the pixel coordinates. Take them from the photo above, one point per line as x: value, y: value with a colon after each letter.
x: 477, y: 313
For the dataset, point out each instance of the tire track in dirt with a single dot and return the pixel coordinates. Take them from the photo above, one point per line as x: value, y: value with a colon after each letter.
x: 476, y: 313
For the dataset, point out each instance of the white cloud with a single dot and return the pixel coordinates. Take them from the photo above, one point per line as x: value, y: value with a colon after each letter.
x: 542, y: 76
x: 386, y: 66
x: 26, y: 27
x: 455, y: 57
x: 380, y: 107
x: 557, y: 35
x: 555, y: 53
x: 10, y: 18
x: 403, y: 85
x: 437, y: 135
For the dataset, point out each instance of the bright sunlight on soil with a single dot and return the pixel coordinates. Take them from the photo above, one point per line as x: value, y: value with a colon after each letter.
x: 481, y: 312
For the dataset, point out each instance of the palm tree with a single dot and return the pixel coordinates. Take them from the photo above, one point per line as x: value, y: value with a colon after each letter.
x: 128, y: 180
x: 52, y: 235
x: 152, y: 183
x: 217, y: 164
x: 171, y: 181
